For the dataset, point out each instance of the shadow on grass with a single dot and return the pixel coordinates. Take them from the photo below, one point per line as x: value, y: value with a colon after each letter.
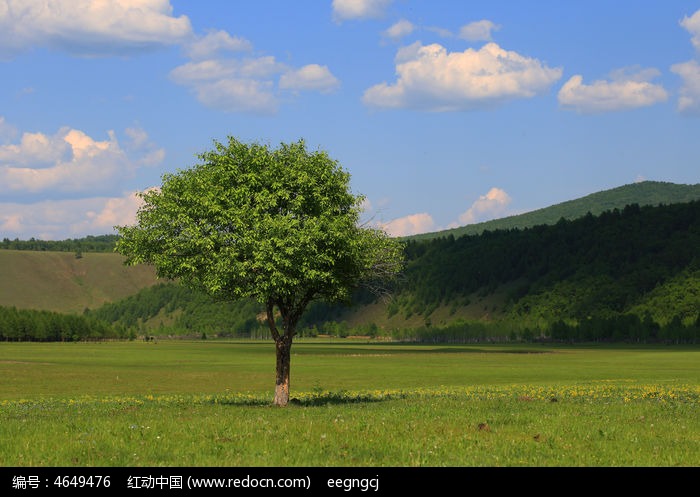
x: 310, y: 400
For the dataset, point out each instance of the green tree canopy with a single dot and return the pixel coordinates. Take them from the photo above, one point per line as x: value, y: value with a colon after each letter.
x: 277, y: 225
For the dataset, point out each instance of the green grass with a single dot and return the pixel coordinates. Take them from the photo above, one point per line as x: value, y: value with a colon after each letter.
x: 176, y: 403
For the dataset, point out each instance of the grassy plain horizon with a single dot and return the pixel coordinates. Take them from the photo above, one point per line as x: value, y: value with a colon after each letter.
x: 208, y: 403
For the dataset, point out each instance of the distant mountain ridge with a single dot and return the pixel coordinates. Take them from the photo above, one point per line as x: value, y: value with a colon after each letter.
x: 641, y: 193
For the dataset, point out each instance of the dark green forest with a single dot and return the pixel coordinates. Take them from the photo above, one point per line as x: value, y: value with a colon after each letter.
x: 614, y: 260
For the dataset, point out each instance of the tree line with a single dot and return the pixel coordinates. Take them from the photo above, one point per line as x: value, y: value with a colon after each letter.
x: 99, y: 243
x: 24, y: 325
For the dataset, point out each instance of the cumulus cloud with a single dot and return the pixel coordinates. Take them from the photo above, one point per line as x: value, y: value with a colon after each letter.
x: 478, y: 31
x: 358, y: 9
x: 399, y: 29
x: 623, y: 91
x: 489, y: 206
x: 232, y: 85
x: 214, y: 43
x: 89, y: 27
x: 410, y: 225
x: 433, y: 79
x: 61, y: 219
x: 249, y: 84
x: 111, y: 212
x: 310, y: 77
x: 692, y: 25
x: 69, y: 161
x: 689, y: 99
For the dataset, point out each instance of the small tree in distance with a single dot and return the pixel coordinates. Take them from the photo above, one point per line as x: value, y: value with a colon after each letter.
x: 277, y: 225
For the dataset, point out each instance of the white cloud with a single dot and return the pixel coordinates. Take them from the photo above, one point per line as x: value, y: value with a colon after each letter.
x: 358, y: 9
x: 478, y: 31
x: 689, y: 99
x: 37, y: 149
x: 215, y: 42
x: 399, y: 29
x: 119, y: 211
x: 692, y: 25
x: 139, y: 143
x: 238, y: 95
x: 430, y: 78
x: 410, y: 225
x: 69, y: 161
x: 232, y: 85
x: 61, y: 219
x: 207, y: 70
x: 309, y: 77
x: 216, y: 69
x: 137, y: 136
x: 89, y: 27
x: 488, y: 206
x: 249, y: 84
x: 623, y: 92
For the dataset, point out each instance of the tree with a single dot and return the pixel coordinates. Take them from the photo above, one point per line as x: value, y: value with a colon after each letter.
x: 277, y: 225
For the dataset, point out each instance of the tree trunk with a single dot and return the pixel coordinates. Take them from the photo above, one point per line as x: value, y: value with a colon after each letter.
x: 284, y: 353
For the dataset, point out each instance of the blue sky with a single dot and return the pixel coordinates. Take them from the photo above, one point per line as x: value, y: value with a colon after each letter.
x: 445, y: 113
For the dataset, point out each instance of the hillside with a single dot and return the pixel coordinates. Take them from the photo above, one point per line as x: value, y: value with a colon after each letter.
x: 611, y: 271
x: 642, y: 193
x: 62, y: 282
x: 622, y: 273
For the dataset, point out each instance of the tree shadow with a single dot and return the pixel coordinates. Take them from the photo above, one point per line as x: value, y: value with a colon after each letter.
x: 310, y: 400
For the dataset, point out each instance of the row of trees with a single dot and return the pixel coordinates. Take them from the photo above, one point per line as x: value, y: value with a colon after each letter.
x: 182, y: 311
x: 100, y: 243
x: 45, y: 326
x: 628, y: 328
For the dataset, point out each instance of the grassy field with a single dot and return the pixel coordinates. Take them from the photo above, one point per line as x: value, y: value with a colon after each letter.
x: 207, y: 403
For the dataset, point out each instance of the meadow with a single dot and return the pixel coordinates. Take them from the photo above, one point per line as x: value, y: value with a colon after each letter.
x: 355, y: 403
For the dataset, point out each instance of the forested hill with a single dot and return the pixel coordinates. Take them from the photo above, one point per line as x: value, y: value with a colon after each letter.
x: 630, y: 270
x: 642, y: 193
x: 624, y: 272
x: 642, y: 260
